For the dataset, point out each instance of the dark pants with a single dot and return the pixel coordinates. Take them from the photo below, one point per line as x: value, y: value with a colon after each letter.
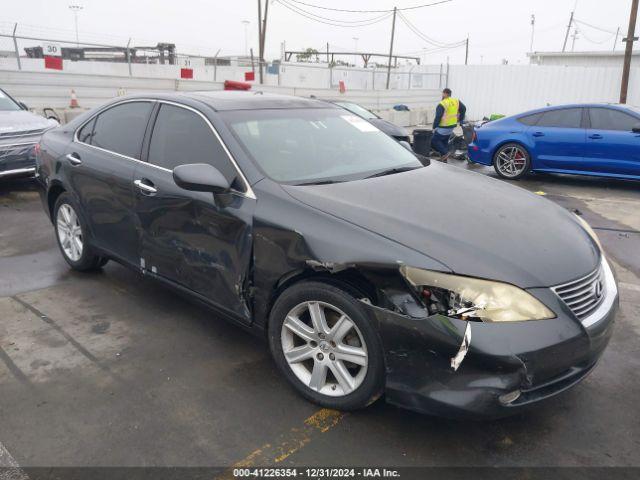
x: 440, y: 143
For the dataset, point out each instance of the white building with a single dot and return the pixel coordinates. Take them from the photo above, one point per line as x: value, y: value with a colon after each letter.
x: 582, y: 59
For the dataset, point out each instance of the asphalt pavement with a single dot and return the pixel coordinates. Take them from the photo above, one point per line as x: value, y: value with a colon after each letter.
x: 112, y: 369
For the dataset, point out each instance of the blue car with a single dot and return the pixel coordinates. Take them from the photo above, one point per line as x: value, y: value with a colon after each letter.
x: 591, y: 139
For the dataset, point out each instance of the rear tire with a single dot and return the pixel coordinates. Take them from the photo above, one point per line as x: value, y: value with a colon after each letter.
x: 71, y: 235
x: 324, y: 344
x: 512, y: 161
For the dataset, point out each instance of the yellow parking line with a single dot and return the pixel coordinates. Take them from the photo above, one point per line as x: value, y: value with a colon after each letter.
x: 289, y: 443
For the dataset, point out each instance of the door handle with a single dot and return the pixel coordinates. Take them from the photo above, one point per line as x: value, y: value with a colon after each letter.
x: 145, y: 188
x: 74, y: 159
x: 538, y: 134
x: 595, y: 136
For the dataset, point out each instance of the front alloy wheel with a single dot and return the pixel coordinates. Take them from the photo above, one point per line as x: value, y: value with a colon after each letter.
x: 325, y: 343
x: 512, y: 161
x: 324, y: 348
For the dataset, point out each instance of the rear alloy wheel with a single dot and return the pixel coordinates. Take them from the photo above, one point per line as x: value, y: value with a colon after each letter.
x: 512, y: 161
x: 325, y: 345
x: 72, y: 240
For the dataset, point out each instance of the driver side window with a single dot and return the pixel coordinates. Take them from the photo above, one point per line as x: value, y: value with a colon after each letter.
x: 609, y: 119
x: 181, y: 136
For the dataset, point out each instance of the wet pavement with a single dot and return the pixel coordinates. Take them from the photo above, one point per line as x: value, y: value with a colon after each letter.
x: 110, y: 368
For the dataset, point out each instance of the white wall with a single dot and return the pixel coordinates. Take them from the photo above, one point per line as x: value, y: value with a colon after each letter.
x: 510, y: 89
x: 47, y: 89
x: 578, y: 59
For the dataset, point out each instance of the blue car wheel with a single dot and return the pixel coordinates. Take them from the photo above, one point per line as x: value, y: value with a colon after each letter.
x: 512, y: 161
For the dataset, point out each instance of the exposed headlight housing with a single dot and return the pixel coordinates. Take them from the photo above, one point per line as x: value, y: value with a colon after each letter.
x: 473, y: 298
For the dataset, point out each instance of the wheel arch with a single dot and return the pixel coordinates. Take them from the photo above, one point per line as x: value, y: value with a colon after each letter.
x: 350, y: 280
x: 55, y: 190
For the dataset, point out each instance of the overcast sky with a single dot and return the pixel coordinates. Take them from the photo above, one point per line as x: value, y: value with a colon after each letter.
x: 497, y: 28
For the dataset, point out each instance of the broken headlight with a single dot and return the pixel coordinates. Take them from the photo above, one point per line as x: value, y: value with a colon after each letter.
x: 474, y: 299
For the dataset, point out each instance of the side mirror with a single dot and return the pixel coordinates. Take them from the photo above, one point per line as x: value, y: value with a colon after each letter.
x: 200, y: 177
x: 23, y: 105
x: 636, y: 128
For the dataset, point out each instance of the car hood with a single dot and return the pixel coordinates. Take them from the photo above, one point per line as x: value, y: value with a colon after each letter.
x: 21, y: 122
x: 475, y: 225
x: 388, y: 127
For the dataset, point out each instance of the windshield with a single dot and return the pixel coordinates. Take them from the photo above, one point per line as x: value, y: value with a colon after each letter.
x: 316, y: 145
x: 6, y: 103
x: 357, y: 109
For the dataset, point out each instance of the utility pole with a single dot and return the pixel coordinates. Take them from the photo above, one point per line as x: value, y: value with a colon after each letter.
x: 533, y: 29
x: 575, y: 37
x: 264, y: 36
x: 75, y: 9
x: 393, y: 32
x: 259, y: 38
x: 466, y: 52
x: 566, y: 37
x: 615, y: 40
x: 630, y: 38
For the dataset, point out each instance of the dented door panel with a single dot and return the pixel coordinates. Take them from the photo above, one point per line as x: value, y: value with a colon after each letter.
x: 197, y: 240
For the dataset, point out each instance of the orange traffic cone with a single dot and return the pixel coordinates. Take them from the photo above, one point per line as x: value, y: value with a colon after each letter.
x: 74, y: 100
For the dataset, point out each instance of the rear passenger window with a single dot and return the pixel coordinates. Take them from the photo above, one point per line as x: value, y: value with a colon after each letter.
x: 563, y: 118
x: 86, y: 132
x: 609, y: 119
x: 530, y: 119
x: 181, y: 136
x: 120, y: 129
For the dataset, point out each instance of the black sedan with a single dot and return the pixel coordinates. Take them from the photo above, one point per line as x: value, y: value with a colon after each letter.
x: 367, y: 271
x: 394, y: 131
x: 20, y: 131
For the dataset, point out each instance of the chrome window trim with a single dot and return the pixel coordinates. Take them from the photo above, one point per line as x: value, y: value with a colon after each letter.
x: 249, y: 191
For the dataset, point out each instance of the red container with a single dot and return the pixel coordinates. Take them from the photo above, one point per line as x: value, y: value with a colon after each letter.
x: 233, y: 85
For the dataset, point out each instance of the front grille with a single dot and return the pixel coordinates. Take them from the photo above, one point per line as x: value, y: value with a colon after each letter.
x: 584, y: 295
x: 22, y: 133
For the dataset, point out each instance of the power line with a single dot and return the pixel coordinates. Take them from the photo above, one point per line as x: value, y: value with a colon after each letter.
x: 371, y: 11
x: 336, y: 20
x: 333, y: 22
x: 594, y: 27
x: 427, y: 39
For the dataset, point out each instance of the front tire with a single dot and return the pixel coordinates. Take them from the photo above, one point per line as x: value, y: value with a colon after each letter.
x: 512, y: 161
x: 323, y: 342
x: 71, y: 235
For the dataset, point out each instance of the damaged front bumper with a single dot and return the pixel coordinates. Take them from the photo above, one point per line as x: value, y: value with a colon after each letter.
x: 454, y: 368
x: 17, y: 156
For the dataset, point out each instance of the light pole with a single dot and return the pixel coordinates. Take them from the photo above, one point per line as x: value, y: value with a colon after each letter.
x: 246, y: 37
x: 355, y: 57
x: 533, y: 30
x: 75, y: 9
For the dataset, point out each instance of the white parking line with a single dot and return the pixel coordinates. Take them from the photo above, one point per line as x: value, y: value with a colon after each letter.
x: 9, y: 468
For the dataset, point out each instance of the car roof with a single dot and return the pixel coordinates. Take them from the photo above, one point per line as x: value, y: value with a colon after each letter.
x: 224, y: 100
x: 616, y: 106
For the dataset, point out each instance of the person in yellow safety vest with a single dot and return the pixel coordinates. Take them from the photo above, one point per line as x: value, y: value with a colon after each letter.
x: 449, y: 113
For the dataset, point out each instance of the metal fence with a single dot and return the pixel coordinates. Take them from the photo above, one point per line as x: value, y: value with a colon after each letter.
x: 33, y: 52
